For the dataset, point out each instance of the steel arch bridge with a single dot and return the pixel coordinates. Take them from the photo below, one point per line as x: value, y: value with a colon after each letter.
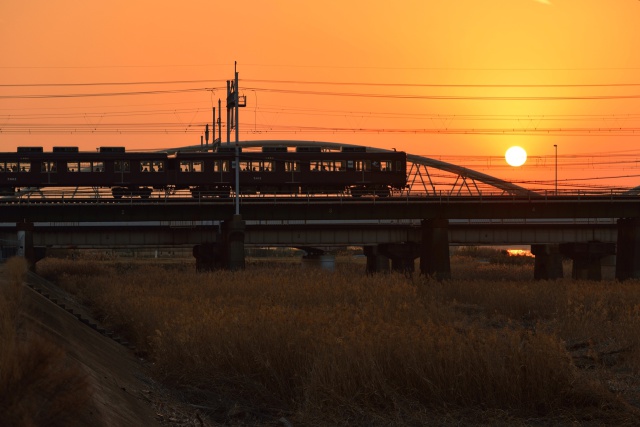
x: 425, y: 176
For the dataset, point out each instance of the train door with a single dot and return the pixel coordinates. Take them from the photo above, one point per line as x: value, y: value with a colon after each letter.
x: 172, y: 174
x: 122, y: 170
x: 363, y: 166
x: 49, y: 172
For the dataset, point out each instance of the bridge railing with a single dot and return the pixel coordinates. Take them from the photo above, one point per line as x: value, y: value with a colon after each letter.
x: 103, y: 195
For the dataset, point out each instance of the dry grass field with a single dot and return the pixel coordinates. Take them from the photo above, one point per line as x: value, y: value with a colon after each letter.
x: 278, y: 344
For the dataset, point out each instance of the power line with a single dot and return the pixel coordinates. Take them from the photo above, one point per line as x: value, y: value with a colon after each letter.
x: 436, y: 85
x: 161, y: 82
x: 87, y: 95
x: 325, y: 83
x: 447, y: 97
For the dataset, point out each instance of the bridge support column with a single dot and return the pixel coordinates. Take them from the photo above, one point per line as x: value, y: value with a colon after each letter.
x: 25, y: 248
x: 228, y: 250
x: 434, y: 253
x: 548, y: 262
x: 25, y: 243
x: 628, y: 249
x: 209, y: 257
x: 233, y: 232
x: 587, y: 258
x: 376, y: 262
x: 402, y: 255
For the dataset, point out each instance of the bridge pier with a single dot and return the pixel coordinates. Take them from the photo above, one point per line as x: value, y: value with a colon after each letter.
x: 25, y: 242
x: 376, y: 261
x: 26, y: 248
x: 228, y: 250
x: 628, y: 249
x: 209, y: 256
x: 233, y: 232
x: 434, y: 253
x: 587, y: 258
x: 548, y: 262
x: 402, y: 255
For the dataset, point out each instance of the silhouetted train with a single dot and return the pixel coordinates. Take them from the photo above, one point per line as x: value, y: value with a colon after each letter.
x: 274, y: 170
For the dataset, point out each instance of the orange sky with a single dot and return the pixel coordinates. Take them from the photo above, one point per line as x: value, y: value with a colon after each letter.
x: 459, y: 81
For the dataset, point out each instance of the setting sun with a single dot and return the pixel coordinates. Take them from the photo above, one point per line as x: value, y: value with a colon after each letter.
x: 516, y: 156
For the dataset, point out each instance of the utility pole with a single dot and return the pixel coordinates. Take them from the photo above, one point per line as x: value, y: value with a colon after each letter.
x: 219, y: 121
x: 234, y: 102
x: 556, y: 147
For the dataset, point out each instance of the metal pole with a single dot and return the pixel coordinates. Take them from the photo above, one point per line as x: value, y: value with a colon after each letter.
x: 236, y: 100
x: 219, y: 120
x: 228, y: 114
x: 556, y: 147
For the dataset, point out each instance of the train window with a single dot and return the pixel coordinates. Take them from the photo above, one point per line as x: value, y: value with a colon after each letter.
x: 221, y: 166
x: 98, y: 166
x: 266, y: 166
x: 256, y: 166
x: 151, y: 166
x: 121, y: 166
x: 73, y: 166
x: 331, y: 166
x: 292, y: 166
x: 1, y: 167
x: 85, y: 167
x: 386, y: 166
x: 12, y: 167
x: 189, y: 166
x: 363, y: 165
x: 49, y: 167
x: 25, y: 167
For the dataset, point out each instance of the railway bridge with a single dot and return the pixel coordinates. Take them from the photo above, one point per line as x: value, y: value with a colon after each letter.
x: 444, y: 204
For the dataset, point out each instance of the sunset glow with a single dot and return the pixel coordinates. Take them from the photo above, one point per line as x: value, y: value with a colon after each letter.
x: 456, y: 81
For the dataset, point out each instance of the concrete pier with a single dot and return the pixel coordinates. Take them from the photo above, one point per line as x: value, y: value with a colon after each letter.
x: 376, y: 261
x: 434, y: 253
x: 209, y: 257
x: 628, y: 249
x: 402, y: 255
x: 548, y: 262
x: 587, y: 258
x: 25, y: 242
x: 227, y: 252
x: 233, y: 233
x: 26, y: 248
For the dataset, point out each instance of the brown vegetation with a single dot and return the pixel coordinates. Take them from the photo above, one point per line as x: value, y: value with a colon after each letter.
x: 344, y: 348
x: 37, y: 384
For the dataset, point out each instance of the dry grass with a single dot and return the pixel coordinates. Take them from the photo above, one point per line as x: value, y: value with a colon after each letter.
x: 37, y: 385
x: 343, y: 348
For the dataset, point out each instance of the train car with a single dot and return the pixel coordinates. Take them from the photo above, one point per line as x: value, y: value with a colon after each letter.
x: 133, y: 174
x: 274, y: 170
x: 308, y: 170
